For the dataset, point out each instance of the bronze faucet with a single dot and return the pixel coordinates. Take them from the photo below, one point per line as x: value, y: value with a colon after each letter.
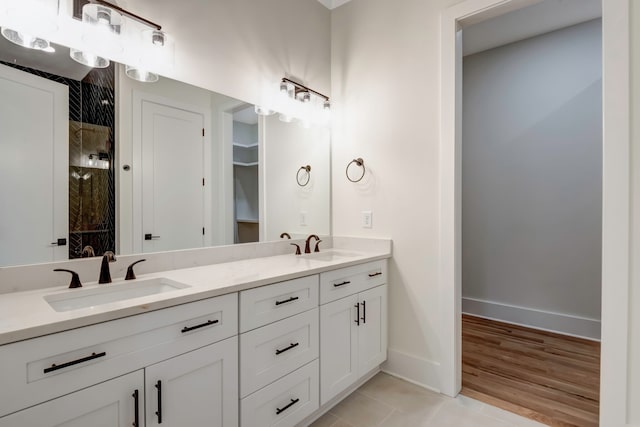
x: 105, y: 274
x: 307, y: 248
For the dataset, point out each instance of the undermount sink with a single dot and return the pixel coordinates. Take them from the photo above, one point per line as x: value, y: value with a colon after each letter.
x: 331, y: 255
x: 108, y: 293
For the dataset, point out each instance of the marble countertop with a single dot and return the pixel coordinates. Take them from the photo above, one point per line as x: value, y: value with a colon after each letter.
x: 27, y: 314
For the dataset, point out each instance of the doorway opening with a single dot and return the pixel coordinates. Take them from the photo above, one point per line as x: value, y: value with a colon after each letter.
x: 531, y: 205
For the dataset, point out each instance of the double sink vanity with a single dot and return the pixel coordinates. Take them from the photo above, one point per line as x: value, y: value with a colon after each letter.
x: 270, y: 341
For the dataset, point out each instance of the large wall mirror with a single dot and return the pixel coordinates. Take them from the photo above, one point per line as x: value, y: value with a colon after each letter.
x: 92, y: 161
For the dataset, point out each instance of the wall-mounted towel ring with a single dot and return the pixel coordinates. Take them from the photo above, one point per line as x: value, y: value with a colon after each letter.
x: 358, y: 162
x: 302, y: 182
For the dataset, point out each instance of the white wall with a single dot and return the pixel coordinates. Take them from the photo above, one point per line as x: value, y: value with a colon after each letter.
x: 286, y: 147
x: 634, y: 299
x: 238, y: 47
x: 532, y: 181
x: 385, y: 89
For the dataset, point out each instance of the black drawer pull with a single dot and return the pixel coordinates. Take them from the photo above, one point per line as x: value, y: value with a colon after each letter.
x: 346, y: 282
x: 293, y: 402
x: 55, y: 367
x: 159, y: 411
x: 287, y: 349
x: 136, y: 409
x: 364, y: 312
x: 287, y: 300
x: 207, y: 323
x: 357, y: 306
x: 379, y: 273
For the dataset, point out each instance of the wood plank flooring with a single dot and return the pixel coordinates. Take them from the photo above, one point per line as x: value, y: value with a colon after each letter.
x: 551, y: 378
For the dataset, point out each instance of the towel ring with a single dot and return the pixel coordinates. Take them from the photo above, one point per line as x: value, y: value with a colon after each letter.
x: 358, y: 162
x: 308, y: 170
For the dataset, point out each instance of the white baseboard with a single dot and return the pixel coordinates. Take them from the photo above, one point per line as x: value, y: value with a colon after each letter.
x: 422, y: 372
x: 538, y: 319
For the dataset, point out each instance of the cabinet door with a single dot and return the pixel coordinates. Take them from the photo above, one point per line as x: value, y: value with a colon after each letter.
x: 199, y: 388
x: 372, y: 333
x: 109, y: 404
x: 338, y: 347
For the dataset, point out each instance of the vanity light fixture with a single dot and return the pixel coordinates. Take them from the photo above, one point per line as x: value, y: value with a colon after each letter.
x: 25, y: 40
x: 141, y: 75
x: 102, y: 22
x: 303, y: 103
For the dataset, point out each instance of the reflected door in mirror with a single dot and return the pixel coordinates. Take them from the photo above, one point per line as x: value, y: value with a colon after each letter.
x: 34, y: 189
x: 172, y: 144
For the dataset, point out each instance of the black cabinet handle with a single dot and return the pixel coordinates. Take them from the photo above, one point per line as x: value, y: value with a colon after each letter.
x: 136, y: 409
x: 207, y: 323
x: 364, y: 312
x: 150, y: 236
x: 357, y: 306
x: 293, y: 402
x: 159, y: 411
x: 287, y: 349
x: 379, y: 273
x: 287, y: 300
x: 55, y: 367
x: 346, y: 282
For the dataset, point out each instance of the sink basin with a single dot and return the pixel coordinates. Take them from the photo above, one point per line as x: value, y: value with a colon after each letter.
x: 331, y: 255
x: 105, y: 294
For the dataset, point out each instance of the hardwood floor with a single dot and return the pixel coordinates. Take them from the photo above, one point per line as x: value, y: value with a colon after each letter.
x: 551, y: 378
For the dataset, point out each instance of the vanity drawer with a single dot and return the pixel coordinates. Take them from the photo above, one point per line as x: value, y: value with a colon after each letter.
x: 284, y: 403
x: 267, y: 304
x: 42, y: 368
x: 275, y: 350
x: 340, y: 283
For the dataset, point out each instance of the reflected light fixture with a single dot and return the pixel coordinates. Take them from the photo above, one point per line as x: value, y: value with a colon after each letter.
x: 262, y: 111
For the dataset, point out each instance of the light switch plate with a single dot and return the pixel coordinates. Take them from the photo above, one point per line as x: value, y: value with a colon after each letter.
x: 303, y: 218
x: 367, y: 219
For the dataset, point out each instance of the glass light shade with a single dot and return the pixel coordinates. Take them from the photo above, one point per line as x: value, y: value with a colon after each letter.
x: 157, y: 50
x: 141, y: 75
x: 88, y: 59
x: 25, y: 40
x: 285, y: 118
x: 103, y: 17
x: 262, y: 111
x: 32, y: 17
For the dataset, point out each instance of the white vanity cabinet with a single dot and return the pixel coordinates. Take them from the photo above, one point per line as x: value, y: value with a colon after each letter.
x: 279, y: 383
x: 353, y: 325
x: 199, y: 388
x: 173, y: 345
x: 115, y: 403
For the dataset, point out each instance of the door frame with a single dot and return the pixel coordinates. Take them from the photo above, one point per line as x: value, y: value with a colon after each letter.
x: 138, y: 98
x: 615, y: 196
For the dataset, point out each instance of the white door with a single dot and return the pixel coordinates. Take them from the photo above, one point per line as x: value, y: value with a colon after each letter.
x: 196, y: 389
x: 34, y: 159
x: 172, y: 144
x: 372, y: 332
x: 338, y: 347
x: 109, y: 404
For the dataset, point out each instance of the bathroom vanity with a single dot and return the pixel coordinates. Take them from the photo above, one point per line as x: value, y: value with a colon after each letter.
x: 273, y: 341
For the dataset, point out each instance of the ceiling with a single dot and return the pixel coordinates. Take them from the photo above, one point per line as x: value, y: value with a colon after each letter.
x: 540, y: 18
x: 332, y: 4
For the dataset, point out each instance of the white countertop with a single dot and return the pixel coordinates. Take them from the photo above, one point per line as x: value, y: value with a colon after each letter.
x: 25, y: 315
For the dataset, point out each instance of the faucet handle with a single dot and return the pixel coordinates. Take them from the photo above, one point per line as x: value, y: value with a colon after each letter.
x: 130, y: 274
x: 75, y: 279
x: 297, y: 248
x: 285, y: 234
x: 317, y: 249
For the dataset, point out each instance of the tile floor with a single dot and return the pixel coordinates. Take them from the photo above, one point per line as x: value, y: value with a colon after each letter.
x: 386, y: 401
